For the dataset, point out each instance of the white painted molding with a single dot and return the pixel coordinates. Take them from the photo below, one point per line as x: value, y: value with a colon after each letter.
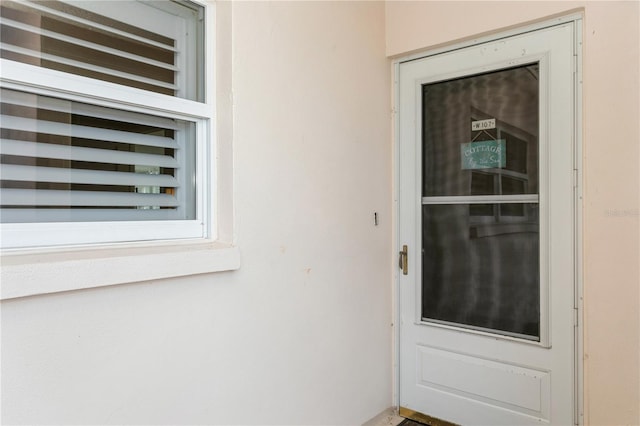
x: 32, y: 274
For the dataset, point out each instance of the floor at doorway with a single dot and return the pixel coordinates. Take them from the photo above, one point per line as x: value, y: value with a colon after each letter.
x: 388, y: 417
x: 409, y: 422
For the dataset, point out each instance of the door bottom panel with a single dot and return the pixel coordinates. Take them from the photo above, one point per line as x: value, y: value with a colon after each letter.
x: 492, y: 382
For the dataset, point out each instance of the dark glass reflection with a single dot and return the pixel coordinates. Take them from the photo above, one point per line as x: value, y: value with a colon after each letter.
x: 482, y: 271
x: 481, y: 261
x: 449, y: 107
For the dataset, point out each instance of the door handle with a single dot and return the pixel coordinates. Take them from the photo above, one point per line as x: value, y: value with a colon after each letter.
x: 404, y: 260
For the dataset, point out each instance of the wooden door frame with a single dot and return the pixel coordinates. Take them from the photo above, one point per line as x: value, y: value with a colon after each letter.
x: 576, y: 17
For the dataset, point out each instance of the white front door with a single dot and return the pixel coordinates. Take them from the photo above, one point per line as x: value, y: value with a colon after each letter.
x: 487, y: 214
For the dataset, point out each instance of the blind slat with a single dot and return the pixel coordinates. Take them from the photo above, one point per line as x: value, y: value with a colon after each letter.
x: 86, y: 66
x: 53, y: 104
x: 105, y: 28
x: 85, y: 132
x: 96, y: 177
x: 21, y: 215
x: 78, y: 153
x: 86, y: 43
x: 47, y: 197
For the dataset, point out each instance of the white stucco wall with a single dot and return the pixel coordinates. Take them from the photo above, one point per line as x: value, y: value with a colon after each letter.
x: 611, y: 148
x: 301, y: 333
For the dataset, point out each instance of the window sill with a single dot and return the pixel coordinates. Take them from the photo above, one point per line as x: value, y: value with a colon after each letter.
x: 32, y: 273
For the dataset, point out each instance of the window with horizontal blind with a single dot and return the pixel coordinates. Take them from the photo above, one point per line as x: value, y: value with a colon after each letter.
x: 105, y: 122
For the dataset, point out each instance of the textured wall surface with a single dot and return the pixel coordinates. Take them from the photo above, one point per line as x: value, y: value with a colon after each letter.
x: 300, y: 334
x: 611, y: 180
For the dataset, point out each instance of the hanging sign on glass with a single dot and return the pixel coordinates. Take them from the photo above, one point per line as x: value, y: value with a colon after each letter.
x: 483, y: 155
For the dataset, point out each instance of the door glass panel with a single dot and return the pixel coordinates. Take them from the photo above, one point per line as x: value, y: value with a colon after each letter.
x: 481, y: 271
x: 480, y: 266
x: 449, y: 109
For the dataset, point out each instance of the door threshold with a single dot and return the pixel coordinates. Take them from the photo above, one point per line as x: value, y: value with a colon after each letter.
x: 423, y: 418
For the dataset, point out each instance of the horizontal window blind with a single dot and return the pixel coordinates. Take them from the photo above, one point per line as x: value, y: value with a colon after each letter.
x: 149, y: 55
x: 103, y: 119
x: 68, y: 161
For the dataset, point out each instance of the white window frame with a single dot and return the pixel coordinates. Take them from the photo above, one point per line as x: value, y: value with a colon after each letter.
x: 72, y: 87
x: 97, y: 262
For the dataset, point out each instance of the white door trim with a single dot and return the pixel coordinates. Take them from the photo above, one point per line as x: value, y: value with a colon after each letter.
x: 577, y: 19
